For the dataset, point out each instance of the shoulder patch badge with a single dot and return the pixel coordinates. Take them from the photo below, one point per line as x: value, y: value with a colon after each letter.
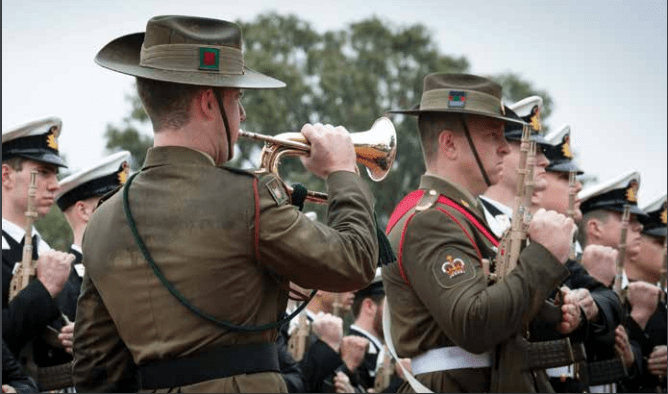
x: 277, y: 191
x: 454, y: 269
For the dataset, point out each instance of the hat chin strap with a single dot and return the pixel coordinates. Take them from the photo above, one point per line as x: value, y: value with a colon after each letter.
x: 474, y: 150
x: 223, y: 114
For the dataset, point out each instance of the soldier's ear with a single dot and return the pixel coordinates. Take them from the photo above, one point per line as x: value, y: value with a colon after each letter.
x: 7, y: 173
x: 447, y: 143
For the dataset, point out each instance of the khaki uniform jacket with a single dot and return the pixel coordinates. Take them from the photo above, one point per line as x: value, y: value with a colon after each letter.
x: 450, y: 305
x: 197, y: 221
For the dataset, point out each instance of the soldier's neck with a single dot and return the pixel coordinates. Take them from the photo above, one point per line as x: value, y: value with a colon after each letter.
x: 13, y: 216
x: 635, y: 273
x: 500, y: 193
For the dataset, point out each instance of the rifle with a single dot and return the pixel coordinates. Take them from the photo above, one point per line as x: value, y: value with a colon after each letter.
x: 25, y: 271
x: 571, y: 208
x: 299, y: 339
x: 617, y: 285
x: 664, y: 269
x: 515, y: 238
x: 384, y: 372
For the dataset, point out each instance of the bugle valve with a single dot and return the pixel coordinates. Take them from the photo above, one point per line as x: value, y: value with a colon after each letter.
x: 375, y: 149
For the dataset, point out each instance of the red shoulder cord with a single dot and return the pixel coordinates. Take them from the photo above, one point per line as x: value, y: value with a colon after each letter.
x: 411, y: 200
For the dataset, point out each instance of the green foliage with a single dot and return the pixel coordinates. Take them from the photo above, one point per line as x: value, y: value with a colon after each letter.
x: 347, y: 77
x: 55, y: 230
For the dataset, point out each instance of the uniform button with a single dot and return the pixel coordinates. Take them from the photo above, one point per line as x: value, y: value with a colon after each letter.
x: 432, y: 192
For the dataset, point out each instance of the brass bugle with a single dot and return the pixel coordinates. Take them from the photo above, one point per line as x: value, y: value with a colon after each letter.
x: 375, y: 149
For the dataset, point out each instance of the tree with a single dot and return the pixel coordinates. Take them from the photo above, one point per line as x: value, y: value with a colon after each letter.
x: 345, y: 77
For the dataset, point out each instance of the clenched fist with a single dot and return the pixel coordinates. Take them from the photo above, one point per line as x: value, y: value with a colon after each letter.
x: 554, y: 231
x: 644, y: 298
x: 53, y: 268
x: 601, y: 263
x: 331, y: 150
x: 329, y: 329
x: 353, y: 348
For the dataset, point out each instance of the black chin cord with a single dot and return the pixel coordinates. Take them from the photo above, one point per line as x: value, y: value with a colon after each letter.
x: 230, y: 148
x: 475, y: 151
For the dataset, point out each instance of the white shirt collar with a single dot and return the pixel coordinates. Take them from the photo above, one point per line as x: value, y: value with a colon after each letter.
x: 508, y: 211
x: 77, y: 248
x: 497, y: 224
x: 378, y: 344
x: 17, y: 233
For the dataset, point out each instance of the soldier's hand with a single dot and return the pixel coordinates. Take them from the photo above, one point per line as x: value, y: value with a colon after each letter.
x: 644, y: 298
x: 66, y: 337
x: 601, y: 263
x: 8, y: 389
x: 554, y: 231
x: 570, y: 310
x: 342, y: 383
x: 353, y: 348
x: 657, y: 361
x: 331, y: 150
x: 623, y: 346
x: 53, y: 268
x: 329, y: 329
x: 582, y: 298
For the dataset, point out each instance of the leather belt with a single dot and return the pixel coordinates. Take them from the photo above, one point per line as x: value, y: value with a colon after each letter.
x: 447, y: 358
x: 555, y: 353
x: 606, y: 371
x: 212, y: 363
x: 55, y: 377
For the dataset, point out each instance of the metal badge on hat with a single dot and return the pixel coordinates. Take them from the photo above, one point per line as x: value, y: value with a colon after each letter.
x: 535, y: 118
x: 664, y: 214
x: 123, y: 173
x: 51, y: 140
x: 632, y: 192
x: 566, y: 147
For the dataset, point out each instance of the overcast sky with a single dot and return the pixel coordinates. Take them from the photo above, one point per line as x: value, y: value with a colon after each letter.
x: 603, y: 62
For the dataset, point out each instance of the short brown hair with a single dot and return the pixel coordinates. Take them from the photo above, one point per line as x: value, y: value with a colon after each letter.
x: 430, y: 125
x: 166, y: 103
x: 15, y: 163
x: 598, y: 214
x: 357, y: 302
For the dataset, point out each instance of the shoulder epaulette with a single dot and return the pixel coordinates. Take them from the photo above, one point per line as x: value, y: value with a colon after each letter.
x: 240, y: 171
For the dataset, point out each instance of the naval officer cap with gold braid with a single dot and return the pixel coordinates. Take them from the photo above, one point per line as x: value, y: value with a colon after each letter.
x: 655, y: 222
x: 37, y: 141
x: 558, y: 151
x: 95, y: 181
x: 613, y: 195
x: 528, y: 110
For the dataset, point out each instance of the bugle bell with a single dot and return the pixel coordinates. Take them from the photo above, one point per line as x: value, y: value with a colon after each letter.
x: 375, y: 149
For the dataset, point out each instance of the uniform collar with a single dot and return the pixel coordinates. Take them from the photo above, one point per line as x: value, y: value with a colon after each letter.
x: 76, y: 248
x: 165, y: 155
x: 17, y: 233
x: 452, y: 191
x: 506, y: 210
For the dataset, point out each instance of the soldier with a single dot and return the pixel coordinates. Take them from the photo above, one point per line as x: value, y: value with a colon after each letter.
x: 77, y: 197
x: 600, y: 306
x: 31, y: 147
x: 444, y: 313
x: 602, y: 206
x: 329, y: 351
x: 646, y: 321
x: 368, y: 312
x: 187, y: 267
x: 498, y: 199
